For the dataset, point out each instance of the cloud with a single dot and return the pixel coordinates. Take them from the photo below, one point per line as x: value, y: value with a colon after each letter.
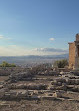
x: 1, y: 36
x: 14, y: 50
x: 51, y: 39
x: 4, y: 38
x: 50, y: 50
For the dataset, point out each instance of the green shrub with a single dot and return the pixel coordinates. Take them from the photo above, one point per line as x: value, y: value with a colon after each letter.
x: 6, y: 64
x: 61, y: 63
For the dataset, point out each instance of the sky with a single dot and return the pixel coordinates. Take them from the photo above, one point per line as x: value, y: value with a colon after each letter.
x: 37, y: 27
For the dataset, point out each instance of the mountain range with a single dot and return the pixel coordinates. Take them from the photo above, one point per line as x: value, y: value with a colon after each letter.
x: 32, y: 59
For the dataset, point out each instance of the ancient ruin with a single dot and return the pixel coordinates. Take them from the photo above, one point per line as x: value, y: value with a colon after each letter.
x: 74, y: 53
x: 41, y: 88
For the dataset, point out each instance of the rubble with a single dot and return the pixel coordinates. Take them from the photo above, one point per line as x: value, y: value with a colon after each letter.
x: 20, y: 76
x: 47, y: 85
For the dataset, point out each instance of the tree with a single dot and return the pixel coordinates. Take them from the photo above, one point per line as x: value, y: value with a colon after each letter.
x: 6, y: 64
x: 61, y: 63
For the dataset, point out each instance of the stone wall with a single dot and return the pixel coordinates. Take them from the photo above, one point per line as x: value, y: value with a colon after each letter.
x: 71, y: 55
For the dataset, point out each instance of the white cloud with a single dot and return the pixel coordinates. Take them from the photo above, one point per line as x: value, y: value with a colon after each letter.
x: 1, y: 36
x: 13, y: 50
x: 50, y: 51
x: 4, y: 38
x: 51, y: 39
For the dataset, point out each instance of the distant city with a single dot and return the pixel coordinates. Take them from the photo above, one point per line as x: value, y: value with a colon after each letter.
x: 32, y: 60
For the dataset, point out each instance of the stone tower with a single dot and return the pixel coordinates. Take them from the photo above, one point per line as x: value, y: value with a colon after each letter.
x: 74, y: 53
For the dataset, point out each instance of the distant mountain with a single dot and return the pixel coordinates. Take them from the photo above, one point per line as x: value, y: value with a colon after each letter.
x: 32, y: 59
x: 45, y: 56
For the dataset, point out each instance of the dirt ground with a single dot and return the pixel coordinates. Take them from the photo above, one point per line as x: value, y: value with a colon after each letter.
x: 45, y: 105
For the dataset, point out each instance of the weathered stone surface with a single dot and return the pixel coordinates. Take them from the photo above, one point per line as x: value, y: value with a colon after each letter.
x: 20, y: 76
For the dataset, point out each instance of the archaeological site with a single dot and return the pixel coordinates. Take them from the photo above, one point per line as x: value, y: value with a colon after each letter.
x: 42, y: 88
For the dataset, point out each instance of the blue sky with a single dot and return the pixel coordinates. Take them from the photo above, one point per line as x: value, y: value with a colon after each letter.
x: 34, y: 27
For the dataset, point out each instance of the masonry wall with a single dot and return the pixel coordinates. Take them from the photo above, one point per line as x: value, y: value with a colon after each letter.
x: 71, y: 55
